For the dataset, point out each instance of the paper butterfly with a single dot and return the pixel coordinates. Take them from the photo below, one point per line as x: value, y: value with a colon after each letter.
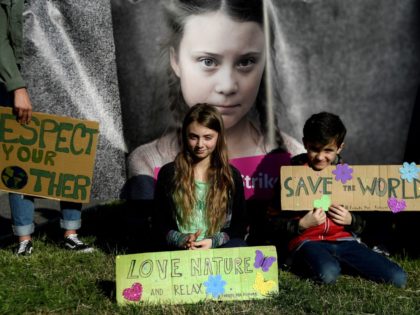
x: 262, y: 286
x: 133, y: 293
x: 324, y: 202
x: 263, y: 262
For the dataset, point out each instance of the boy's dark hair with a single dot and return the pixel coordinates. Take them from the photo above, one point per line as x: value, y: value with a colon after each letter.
x: 322, y: 128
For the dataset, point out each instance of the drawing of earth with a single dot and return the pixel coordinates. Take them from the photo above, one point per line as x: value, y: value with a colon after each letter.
x: 14, y: 177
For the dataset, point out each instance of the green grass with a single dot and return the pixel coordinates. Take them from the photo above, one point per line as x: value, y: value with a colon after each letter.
x: 54, y: 281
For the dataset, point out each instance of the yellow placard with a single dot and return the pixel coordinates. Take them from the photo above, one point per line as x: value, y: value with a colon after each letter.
x: 190, y: 276
x: 356, y: 187
x: 51, y: 157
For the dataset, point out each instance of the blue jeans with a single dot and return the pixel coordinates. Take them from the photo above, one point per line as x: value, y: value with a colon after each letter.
x: 22, y: 208
x: 322, y: 262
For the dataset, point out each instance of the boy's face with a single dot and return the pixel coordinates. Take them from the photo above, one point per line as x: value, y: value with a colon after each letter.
x: 320, y: 156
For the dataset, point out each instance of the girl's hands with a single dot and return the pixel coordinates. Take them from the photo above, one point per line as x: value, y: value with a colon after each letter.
x: 339, y: 215
x: 190, y: 242
x: 191, y: 239
x: 203, y: 244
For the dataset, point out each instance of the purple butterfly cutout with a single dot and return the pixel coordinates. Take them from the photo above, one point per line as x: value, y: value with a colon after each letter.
x: 263, y: 262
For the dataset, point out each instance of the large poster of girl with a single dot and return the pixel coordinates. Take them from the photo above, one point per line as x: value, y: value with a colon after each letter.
x: 267, y: 66
x: 136, y: 66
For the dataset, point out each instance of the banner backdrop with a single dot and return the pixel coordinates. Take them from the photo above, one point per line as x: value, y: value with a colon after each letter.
x: 359, y: 59
x: 69, y: 67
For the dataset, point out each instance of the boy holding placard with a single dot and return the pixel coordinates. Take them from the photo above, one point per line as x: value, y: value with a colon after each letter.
x: 324, y: 242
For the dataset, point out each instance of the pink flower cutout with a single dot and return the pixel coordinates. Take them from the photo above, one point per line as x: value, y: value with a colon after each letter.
x: 133, y: 293
x: 343, y: 172
x: 396, y: 205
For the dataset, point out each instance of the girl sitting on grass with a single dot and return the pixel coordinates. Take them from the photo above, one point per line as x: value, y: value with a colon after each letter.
x: 199, y: 197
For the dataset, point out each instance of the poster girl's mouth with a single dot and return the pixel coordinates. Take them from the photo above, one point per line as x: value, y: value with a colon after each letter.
x: 227, y: 106
x: 227, y: 109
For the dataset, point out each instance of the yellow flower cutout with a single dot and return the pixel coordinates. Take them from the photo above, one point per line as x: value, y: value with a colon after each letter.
x: 261, y: 286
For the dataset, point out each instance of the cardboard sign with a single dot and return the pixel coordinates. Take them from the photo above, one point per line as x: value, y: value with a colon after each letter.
x: 51, y: 157
x: 190, y: 276
x: 393, y: 188
x: 259, y: 173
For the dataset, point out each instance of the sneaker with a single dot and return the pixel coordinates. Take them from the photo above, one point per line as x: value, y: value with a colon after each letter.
x: 72, y: 242
x: 25, y: 248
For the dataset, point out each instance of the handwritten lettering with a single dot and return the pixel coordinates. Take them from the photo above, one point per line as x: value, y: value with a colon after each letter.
x: 61, y: 185
x: 390, y: 186
x: 304, y: 182
x: 74, y: 138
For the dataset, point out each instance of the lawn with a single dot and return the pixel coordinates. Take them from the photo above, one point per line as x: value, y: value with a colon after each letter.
x: 53, y: 280
x: 57, y: 281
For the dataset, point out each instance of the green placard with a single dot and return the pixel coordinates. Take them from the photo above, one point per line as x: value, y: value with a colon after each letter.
x: 190, y: 276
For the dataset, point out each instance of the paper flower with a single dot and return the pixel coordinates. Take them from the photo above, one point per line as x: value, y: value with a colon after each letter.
x: 262, y: 286
x: 409, y: 171
x: 396, y: 205
x: 133, y: 293
x: 343, y: 172
x: 324, y: 202
x: 215, y: 285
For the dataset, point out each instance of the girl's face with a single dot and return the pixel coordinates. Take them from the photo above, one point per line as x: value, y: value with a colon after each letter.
x: 201, y: 141
x: 220, y: 62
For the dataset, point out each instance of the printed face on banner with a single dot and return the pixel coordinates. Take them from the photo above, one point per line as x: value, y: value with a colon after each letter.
x: 221, y: 62
x: 201, y: 140
x: 217, y: 60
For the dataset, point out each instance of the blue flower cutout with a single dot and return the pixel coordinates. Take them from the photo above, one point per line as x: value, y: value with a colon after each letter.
x: 343, y: 172
x: 215, y: 285
x: 409, y: 171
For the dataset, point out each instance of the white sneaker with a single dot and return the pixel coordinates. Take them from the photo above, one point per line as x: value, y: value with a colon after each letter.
x: 72, y: 242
